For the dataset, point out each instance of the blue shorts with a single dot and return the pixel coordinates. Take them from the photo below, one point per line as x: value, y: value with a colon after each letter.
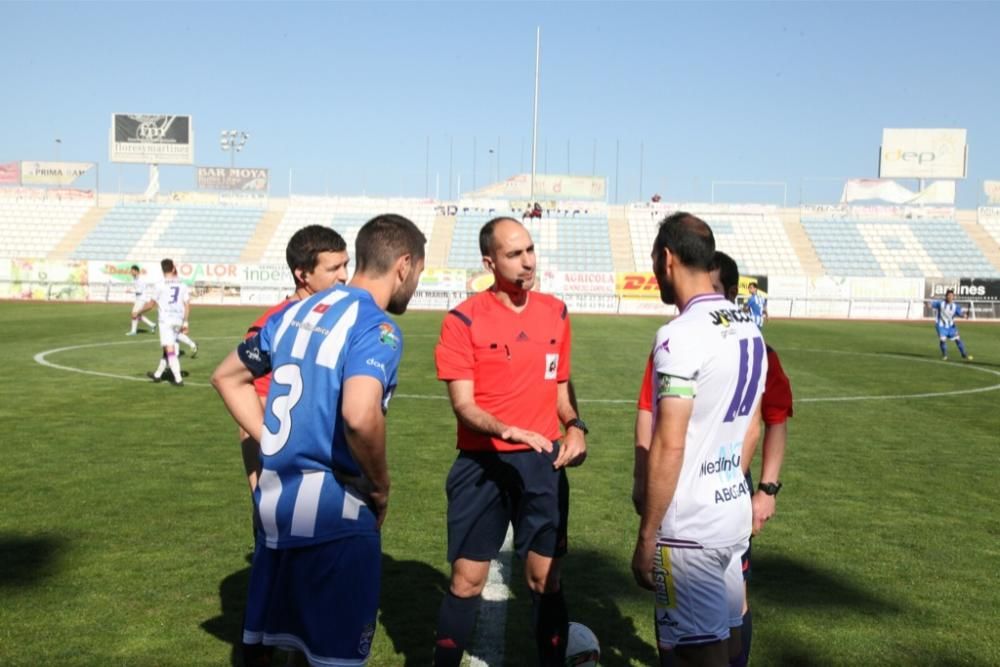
x: 950, y: 333
x: 320, y: 599
x: 489, y: 490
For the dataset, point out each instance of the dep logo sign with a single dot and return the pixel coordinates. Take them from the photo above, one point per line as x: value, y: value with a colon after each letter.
x: 938, y: 153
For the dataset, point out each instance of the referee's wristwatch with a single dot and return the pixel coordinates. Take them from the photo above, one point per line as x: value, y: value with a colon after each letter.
x: 579, y: 423
x: 770, y: 488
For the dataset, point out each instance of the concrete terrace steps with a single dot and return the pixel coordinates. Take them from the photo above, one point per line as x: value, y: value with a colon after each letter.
x: 440, y: 241
x: 969, y: 223
x: 78, y: 232
x: 621, y: 239
x: 802, y: 245
x: 258, y: 243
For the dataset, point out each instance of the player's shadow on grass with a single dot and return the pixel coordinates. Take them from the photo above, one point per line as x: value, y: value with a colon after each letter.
x: 228, y: 625
x: 788, y: 584
x: 583, y: 572
x: 25, y: 561
x: 411, y: 594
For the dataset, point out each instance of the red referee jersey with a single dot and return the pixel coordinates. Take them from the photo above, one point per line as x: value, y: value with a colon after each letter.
x: 776, y: 404
x: 263, y: 383
x: 515, y: 361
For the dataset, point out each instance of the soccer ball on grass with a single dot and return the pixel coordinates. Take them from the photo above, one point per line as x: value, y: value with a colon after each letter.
x: 582, y: 647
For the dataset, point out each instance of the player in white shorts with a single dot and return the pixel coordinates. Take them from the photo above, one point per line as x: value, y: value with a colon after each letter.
x: 709, y: 369
x: 173, y: 303
x: 139, y: 288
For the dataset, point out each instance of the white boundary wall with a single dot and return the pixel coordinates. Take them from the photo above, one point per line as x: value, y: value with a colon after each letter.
x: 442, y: 289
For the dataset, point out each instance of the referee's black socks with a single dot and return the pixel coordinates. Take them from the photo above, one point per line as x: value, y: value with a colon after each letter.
x: 456, y: 622
x: 551, y: 627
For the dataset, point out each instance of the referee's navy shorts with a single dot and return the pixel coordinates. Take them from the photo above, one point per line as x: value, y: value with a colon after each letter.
x: 488, y: 490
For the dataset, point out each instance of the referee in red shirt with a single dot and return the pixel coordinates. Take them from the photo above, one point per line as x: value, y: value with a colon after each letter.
x: 505, y: 356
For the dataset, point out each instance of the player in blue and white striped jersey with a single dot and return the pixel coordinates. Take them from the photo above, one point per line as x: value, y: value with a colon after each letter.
x: 756, y: 305
x: 946, y: 312
x: 323, y: 488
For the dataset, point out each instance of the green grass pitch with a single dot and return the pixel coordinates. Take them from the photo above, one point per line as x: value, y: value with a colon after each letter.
x: 125, y: 523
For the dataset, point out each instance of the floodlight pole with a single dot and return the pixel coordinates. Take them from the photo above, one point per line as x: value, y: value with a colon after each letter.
x: 534, y: 123
x: 233, y: 141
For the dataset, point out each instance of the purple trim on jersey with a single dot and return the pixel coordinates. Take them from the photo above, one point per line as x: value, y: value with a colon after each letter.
x: 737, y: 401
x: 751, y: 395
x: 678, y: 544
x: 710, y: 296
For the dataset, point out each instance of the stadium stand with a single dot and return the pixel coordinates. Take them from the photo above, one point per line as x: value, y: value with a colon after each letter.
x: 834, y: 240
x: 756, y: 237
x: 896, y: 247
x: 566, y: 238
x: 149, y: 232
x: 989, y: 220
x: 346, y: 215
x: 34, y: 228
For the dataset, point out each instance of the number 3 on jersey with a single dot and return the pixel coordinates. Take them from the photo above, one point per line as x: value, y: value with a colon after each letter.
x: 281, y: 407
x: 746, y: 392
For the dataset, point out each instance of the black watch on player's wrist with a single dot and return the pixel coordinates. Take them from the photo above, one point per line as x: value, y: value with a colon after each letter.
x: 579, y: 423
x: 770, y: 488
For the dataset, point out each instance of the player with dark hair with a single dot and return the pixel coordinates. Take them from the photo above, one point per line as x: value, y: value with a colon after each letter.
x: 775, y: 409
x: 173, y: 305
x: 944, y: 322
x: 139, y: 288
x: 505, y: 356
x: 323, y: 489
x: 708, y: 366
x: 317, y: 257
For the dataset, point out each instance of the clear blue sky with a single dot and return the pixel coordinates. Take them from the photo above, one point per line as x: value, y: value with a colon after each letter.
x: 345, y: 95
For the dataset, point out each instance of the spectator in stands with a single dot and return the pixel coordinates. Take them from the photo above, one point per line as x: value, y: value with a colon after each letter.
x: 656, y: 198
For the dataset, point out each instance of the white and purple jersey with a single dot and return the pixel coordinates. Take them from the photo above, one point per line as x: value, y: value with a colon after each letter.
x: 171, y: 296
x: 141, y: 289
x: 311, y: 348
x: 714, y: 355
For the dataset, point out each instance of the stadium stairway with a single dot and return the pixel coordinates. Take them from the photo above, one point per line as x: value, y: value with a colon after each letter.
x: 440, y: 243
x: 621, y: 240
x: 803, y: 247
x: 77, y: 233
x: 969, y: 222
x: 257, y: 245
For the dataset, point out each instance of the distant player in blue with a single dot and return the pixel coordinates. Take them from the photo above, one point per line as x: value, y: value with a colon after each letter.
x: 323, y: 488
x: 946, y: 312
x: 757, y: 306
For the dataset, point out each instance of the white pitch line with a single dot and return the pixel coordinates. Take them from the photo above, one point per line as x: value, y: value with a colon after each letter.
x: 488, y: 643
x: 42, y: 358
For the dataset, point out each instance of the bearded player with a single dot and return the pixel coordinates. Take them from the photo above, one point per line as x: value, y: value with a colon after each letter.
x: 708, y: 369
